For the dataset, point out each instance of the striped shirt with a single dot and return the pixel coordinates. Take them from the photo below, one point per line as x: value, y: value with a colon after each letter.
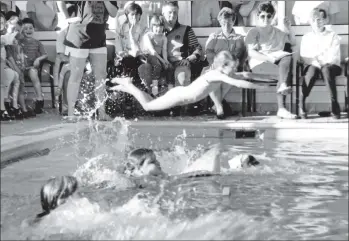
x: 181, y: 44
x: 32, y: 50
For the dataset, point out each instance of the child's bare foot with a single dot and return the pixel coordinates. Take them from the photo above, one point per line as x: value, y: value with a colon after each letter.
x: 121, y: 80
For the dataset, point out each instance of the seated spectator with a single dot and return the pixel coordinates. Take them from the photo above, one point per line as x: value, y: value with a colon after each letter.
x: 43, y: 14
x: 301, y: 11
x: 267, y: 43
x: 184, y: 51
x: 155, y: 45
x: 8, y: 77
x: 27, y: 57
x: 130, y: 32
x: 205, y: 16
x: 320, y: 51
x: 149, y: 9
x: 225, y: 39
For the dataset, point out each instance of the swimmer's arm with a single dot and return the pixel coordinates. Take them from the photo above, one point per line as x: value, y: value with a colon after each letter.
x: 254, y: 76
x: 217, y: 76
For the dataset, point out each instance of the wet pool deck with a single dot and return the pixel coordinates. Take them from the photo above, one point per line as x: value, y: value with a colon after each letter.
x: 19, y: 137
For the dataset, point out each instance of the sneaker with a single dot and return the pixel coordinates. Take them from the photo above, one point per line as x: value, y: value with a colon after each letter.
x: 285, y: 114
x: 28, y: 114
x: 5, y: 116
x: 17, y: 114
x: 39, y: 106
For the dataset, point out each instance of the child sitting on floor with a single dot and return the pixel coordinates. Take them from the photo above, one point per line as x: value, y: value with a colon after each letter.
x: 225, y: 65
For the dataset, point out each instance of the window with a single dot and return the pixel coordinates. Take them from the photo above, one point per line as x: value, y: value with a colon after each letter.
x: 298, y: 11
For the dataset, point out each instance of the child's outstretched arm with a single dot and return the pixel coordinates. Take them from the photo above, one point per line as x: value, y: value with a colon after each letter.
x: 217, y: 76
x: 257, y: 77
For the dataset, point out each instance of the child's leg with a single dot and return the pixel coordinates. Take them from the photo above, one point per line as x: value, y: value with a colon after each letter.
x: 34, y: 77
x: 172, y: 98
x: 15, y: 90
x: 2, y: 98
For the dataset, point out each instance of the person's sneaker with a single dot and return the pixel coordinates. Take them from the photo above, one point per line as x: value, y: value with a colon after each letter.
x: 39, y: 106
x: 28, y: 114
x: 285, y: 114
x: 5, y: 116
x: 17, y: 114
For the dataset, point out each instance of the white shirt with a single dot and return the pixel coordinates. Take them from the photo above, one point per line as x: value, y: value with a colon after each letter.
x: 302, y: 9
x: 325, y: 45
x: 45, y: 12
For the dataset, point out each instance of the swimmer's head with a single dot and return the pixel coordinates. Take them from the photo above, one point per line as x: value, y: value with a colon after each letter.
x: 243, y: 161
x: 225, y: 62
x: 142, y: 162
x: 55, y: 192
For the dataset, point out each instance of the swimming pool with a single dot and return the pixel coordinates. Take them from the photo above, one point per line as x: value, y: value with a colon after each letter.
x: 300, y: 190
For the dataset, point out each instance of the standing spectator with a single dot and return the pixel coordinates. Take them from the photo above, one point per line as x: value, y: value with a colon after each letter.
x: 8, y: 77
x: 302, y: 9
x: 93, y: 47
x: 43, y: 14
x: 12, y: 19
x: 61, y: 66
x: 267, y: 43
x: 155, y: 44
x: 320, y: 51
x: 205, y: 16
x: 225, y: 39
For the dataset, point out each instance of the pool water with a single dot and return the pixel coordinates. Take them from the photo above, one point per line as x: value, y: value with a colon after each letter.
x: 299, y: 191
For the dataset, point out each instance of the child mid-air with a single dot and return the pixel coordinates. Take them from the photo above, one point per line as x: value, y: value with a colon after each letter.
x: 155, y: 45
x: 225, y: 65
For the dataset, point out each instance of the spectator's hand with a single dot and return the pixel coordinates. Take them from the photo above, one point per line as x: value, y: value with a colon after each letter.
x: 36, y: 64
x: 287, y: 25
x: 184, y: 62
x: 167, y: 64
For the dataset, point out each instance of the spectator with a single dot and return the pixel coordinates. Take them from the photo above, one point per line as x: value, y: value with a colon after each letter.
x: 43, y: 14
x: 267, y: 43
x: 31, y: 53
x: 155, y: 44
x: 184, y: 50
x: 320, y: 51
x: 61, y: 66
x: 225, y: 39
x: 93, y: 47
x: 16, y: 60
x: 130, y: 33
x: 301, y: 11
x: 8, y: 77
x: 205, y: 16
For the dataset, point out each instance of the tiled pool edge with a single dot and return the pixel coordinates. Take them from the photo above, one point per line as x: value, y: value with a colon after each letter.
x: 35, y: 141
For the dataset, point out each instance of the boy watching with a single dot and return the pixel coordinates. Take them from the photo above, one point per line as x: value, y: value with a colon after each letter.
x: 320, y: 51
x: 34, y: 52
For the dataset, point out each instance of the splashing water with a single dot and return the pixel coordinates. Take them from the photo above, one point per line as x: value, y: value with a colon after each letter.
x: 287, y: 197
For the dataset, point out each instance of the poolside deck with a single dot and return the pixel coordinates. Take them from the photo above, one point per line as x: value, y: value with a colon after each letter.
x: 20, y: 138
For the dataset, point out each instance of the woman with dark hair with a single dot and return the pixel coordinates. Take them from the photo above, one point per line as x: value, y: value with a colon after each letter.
x: 267, y: 43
